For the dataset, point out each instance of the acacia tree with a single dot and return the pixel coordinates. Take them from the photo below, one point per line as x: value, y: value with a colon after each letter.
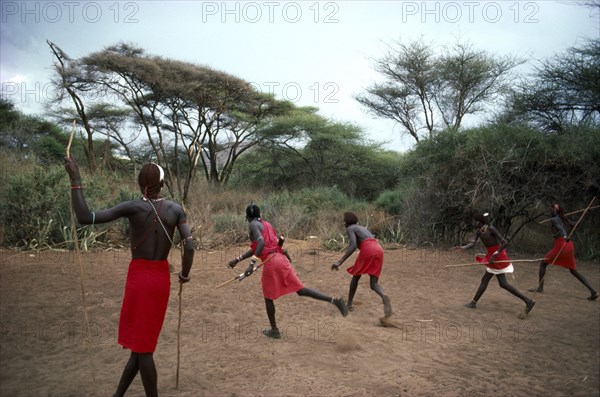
x: 67, y: 82
x: 563, y: 91
x: 421, y: 87
x: 109, y: 121
x: 190, y: 114
x: 406, y: 95
x: 305, y: 150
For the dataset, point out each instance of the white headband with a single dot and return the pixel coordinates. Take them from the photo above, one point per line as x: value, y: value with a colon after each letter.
x: 161, y: 172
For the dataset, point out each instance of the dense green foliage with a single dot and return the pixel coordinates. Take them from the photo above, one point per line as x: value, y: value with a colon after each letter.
x: 513, y: 173
x: 303, y: 169
x: 35, y: 211
x: 334, y: 155
x: 30, y: 134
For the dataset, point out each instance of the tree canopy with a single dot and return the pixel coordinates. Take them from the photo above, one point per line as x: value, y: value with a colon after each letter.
x: 426, y: 91
x: 562, y: 91
x: 190, y: 114
x: 311, y: 151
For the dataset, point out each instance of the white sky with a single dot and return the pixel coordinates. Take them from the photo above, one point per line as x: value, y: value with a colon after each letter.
x: 312, y: 53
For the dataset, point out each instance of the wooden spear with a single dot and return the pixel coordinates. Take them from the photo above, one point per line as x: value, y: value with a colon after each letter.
x: 568, y: 238
x: 572, y: 213
x: 178, y: 336
x: 483, y: 263
x: 70, y: 140
x: 243, y: 275
x: 80, y: 265
x: 240, y: 277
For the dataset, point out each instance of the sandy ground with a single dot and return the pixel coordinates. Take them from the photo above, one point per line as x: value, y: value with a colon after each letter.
x: 438, y: 347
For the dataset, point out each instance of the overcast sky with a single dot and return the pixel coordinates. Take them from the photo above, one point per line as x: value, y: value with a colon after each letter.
x: 313, y: 53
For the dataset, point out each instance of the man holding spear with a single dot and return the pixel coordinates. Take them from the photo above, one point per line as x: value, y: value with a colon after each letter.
x: 153, y: 221
x: 278, y: 277
x: 563, y: 252
x: 497, y: 261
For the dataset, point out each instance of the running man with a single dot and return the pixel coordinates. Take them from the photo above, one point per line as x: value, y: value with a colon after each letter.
x: 496, y: 261
x: 278, y: 278
x: 563, y: 252
x: 369, y: 260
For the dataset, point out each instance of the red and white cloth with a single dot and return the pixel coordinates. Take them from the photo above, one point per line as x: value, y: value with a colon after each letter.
x: 501, y: 262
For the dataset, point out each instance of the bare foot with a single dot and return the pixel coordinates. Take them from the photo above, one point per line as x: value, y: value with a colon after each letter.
x: 387, y: 306
x: 388, y: 322
x: 529, y: 306
x: 594, y: 296
x: 272, y: 333
x: 471, y: 305
x: 341, y: 305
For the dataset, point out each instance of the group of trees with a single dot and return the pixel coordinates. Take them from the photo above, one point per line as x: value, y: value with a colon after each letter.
x: 330, y: 154
x: 541, y: 148
x: 198, y: 122
x: 195, y: 118
x: 512, y: 172
x: 563, y: 92
x: 24, y: 133
x: 426, y: 92
x: 189, y: 115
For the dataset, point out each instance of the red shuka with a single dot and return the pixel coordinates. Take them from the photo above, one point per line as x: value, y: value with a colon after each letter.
x: 278, y: 276
x: 369, y: 260
x: 566, y: 258
x: 502, y: 257
x: 144, y: 304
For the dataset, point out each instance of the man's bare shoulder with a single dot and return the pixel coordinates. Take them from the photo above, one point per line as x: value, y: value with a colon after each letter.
x: 173, y: 204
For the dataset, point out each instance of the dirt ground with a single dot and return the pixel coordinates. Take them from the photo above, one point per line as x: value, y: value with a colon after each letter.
x: 438, y: 347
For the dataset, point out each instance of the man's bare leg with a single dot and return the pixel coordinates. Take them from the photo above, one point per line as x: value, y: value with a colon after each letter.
x: 129, y: 372
x: 387, y: 305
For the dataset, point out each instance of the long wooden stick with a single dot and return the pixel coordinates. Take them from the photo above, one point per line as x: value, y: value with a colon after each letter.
x: 568, y: 238
x: 179, y: 321
x: 572, y: 213
x: 227, y: 282
x: 68, y: 151
x: 484, y: 263
x: 238, y: 276
x: 80, y: 265
x: 178, y: 336
x: 241, y: 276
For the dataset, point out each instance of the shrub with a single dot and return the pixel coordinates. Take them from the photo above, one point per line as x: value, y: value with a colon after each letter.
x: 316, y: 199
x: 36, y: 210
x: 35, y: 207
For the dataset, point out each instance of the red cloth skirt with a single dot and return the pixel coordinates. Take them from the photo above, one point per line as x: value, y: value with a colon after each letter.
x: 502, y: 257
x: 278, y: 277
x: 144, y: 304
x: 566, y: 258
x: 369, y: 260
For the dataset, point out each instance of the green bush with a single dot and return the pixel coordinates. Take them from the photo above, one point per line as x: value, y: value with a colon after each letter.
x: 35, y: 207
x: 48, y: 148
x: 315, y: 199
x: 510, y: 172
x: 36, y: 210
x: 393, y: 201
x: 227, y: 222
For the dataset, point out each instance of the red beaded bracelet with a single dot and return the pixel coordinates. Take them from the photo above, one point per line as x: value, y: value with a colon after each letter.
x: 76, y: 187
